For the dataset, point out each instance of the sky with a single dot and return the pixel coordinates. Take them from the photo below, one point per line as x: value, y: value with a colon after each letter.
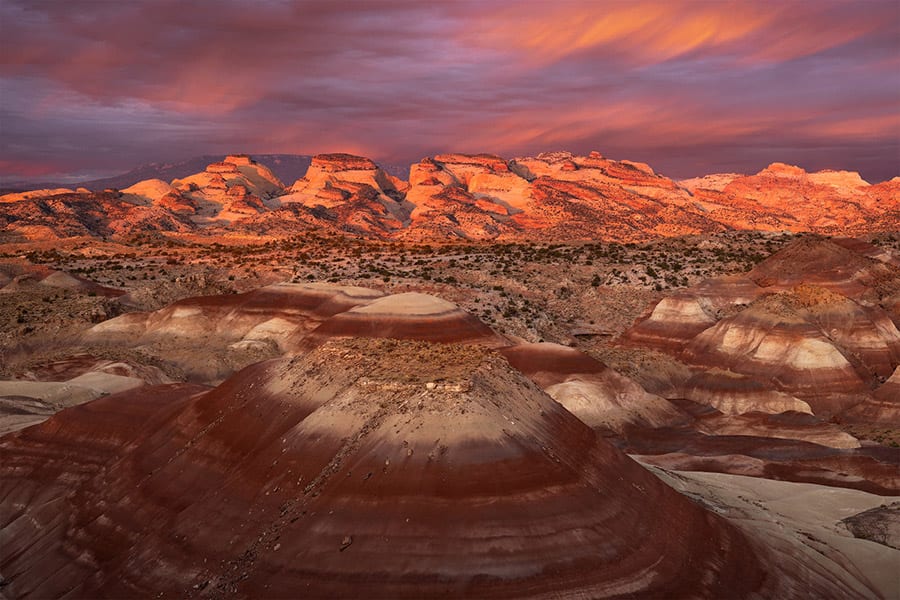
x: 96, y: 87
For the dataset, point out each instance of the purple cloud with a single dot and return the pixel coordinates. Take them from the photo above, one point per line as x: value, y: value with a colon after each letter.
x: 688, y: 86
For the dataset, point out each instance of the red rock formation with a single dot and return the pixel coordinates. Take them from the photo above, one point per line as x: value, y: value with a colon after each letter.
x: 347, y: 472
x: 241, y: 160
x: 734, y: 394
x: 829, y: 264
x: 335, y: 163
x: 672, y: 323
x: 882, y: 410
x: 85, y: 214
x: 364, y: 199
x: 554, y: 195
x: 451, y: 211
x: 828, y: 201
x: 178, y: 204
x: 807, y: 322
x: 229, y: 190
x: 223, y: 168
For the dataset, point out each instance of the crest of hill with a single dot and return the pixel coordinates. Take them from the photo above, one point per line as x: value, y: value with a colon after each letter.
x: 238, y: 169
x: 600, y: 397
x: 851, y: 268
x: 148, y: 191
x: 406, y: 316
x: 286, y: 167
x: 845, y: 180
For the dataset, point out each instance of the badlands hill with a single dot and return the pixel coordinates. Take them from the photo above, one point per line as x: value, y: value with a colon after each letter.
x: 814, y: 323
x: 805, y: 341
x: 463, y: 197
x: 416, y: 467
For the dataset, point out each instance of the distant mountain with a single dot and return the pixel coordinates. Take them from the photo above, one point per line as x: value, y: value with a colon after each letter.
x: 287, y: 167
x: 553, y: 196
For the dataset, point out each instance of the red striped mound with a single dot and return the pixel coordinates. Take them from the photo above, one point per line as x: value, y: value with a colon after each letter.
x: 366, y: 468
x: 778, y: 340
x: 210, y: 337
x: 590, y: 390
x: 409, y: 316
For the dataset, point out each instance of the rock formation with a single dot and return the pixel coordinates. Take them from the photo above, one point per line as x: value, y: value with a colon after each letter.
x: 786, y: 197
x: 554, y: 195
x: 405, y: 316
x: 363, y: 197
x: 67, y: 383
x: 423, y: 471
x: 773, y: 341
x: 590, y: 390
x: 228, y: 190
x: 208, y: 337
x: 735, y: 394
x: 812, y: 322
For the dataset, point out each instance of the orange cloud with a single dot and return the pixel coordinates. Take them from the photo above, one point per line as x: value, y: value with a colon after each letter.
x: 859, y: 128
x: 650, y: 31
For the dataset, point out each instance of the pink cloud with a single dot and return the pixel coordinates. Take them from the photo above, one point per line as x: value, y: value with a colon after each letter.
x: 690, y: 86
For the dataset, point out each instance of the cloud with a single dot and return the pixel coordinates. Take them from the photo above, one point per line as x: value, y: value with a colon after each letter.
x: 105, y: 85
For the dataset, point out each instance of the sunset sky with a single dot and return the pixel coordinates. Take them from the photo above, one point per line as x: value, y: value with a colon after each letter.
x: 92, y: 88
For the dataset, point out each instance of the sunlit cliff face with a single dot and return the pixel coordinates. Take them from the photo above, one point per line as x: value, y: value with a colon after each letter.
x: 688, y: 86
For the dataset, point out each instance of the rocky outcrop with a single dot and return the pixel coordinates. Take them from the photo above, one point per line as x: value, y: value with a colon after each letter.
x: 338, y: 162
x: 365, y: 199
x: 486, y: 177
x: 229, y: 190
x: 91, y: 214
x: 785, y: 197
x: 443, y: 206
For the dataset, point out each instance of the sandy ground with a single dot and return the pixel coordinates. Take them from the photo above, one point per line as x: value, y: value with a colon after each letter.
x: 799, y: 518
x: 25, y: 403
